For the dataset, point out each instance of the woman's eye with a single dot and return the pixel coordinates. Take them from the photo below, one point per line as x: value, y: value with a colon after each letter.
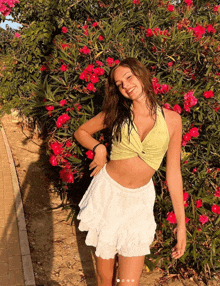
x: 129, y: 77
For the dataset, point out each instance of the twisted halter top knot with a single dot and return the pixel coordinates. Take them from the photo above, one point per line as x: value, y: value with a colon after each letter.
x: 151, y: 150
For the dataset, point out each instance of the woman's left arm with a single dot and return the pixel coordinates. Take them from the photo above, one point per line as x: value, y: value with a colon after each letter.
x: 175, y: 183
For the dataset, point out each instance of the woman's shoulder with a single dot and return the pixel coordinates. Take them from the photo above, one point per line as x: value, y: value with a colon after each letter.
x: 173, y: 120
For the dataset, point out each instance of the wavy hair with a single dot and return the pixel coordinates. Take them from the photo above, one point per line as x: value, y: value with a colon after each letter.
x: 116, y: 107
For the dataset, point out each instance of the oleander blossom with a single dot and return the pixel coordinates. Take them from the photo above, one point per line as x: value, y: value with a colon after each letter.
x: 177, y: 108
x: 6, y: 6
x: 208, y: 94
x: 198, y: 203
x: 215, y: 209
x: 189, y: 100
x: 56, y: 147
x: 53, y: 160
x: 66, y: 175
x: 171, y: 217
x: 199, y: 31
x: 217, y: 192
x: 203, y: 219
x: 194, y: 132
x: 90, y: 154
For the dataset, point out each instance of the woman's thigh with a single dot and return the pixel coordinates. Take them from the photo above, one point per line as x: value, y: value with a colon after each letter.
x: 105, y: 267
x: 130, y: 270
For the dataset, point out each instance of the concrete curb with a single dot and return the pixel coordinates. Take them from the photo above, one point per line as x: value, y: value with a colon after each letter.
x: 24, y: 244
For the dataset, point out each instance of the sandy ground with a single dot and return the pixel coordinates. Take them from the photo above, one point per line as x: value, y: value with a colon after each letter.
x: 58, y: 251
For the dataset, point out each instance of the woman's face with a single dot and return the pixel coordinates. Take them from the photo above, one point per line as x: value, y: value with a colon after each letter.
x: 128, y: 84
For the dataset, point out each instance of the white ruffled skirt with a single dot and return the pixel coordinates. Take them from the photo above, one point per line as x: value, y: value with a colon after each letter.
x: 118, y: 219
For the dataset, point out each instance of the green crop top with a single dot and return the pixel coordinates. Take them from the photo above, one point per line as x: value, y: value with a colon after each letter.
x: 151, y: 150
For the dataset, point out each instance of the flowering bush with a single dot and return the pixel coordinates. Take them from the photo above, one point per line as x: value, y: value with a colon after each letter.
x: 61, y: 84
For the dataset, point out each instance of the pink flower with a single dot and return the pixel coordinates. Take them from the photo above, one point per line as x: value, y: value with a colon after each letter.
x: 64, y: 30
x: 66, y: 175
x: 189, y: 100
x: 94, y: 79
x: 187, y: 137
x: 170, y: 8
x: 78, y: 106
x: 99, y: 71
x: 117, y: 62
x: 188, y: 2
x: 210, y: 29
x: 156, y: 85
x: 89, y: 68
x: 199, y: 31
x: 149, y: 33
x: 84, y: 50
x: 186, y: 204
x: 198, y: 203
x: 171, y: 217
x: 156, y: 31
x: 56, y: 147
x: 90, y: 154
x: 63, y: 68
x: 90, y: 87
x: 17, y: 35
x: 154, y: 49
x: 68, y: 143
x: 194, y: 170
x: 165, y: 88
x: 63, y: 102
x: 53, y: 160
x: 208, y: 94
x: 95, y: 24
x: 185, y: 196
x: 43, y: 68
x: 183, y: 143
x: 99, y: 63
x: 62, y: 119
x: 215, y: 209
x: 187, y: 219
x: 137, y: 2
x: 64, y: 46
x: 217, y: 192
x: 203, y: 219
x: 170, y: 64
x: 167, y: 106
x: 100, y: 38
x: 194, y: 132
x: 216, y: 9
x: 49, y: 107
x: 177, y: 108
x: 110, y: 62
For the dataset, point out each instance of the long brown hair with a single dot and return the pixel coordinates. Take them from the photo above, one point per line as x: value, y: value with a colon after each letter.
x: 117, y: 108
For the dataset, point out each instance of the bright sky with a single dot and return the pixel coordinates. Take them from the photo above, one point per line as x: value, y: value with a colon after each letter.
x: 12, y: 25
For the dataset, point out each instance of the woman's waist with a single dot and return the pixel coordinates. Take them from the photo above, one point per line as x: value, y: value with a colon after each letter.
x: 130, y: 173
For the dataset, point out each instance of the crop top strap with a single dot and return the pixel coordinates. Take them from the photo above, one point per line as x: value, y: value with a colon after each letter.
x: 162, y: 111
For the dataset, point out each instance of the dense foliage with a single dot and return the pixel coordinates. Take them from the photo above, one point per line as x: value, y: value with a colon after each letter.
x: 61, y: 58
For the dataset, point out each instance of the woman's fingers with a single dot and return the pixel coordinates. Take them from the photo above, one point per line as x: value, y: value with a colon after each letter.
x: 178, y: 251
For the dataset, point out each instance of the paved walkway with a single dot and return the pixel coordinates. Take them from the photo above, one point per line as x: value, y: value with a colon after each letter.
x: 15, y: 262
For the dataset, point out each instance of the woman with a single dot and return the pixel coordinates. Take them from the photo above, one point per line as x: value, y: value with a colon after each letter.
x: 117, y: 208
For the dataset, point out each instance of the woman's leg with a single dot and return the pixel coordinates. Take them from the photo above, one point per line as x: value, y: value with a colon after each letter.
x: 129, y: 270
x: 105, y: 269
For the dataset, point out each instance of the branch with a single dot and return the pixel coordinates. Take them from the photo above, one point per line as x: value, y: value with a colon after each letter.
x: 18, y: 23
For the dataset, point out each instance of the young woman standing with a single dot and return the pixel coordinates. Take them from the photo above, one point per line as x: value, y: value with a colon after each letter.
x: 117, y: 208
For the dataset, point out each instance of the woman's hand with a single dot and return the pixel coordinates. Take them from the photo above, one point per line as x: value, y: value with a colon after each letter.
x: 99, y: 161
x: 179, y: 248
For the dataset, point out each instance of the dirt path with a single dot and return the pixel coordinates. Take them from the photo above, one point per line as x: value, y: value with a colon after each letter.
x: 58, y: 251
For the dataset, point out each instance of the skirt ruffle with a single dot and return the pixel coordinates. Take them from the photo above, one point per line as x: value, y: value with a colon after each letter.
x: 118, y: 219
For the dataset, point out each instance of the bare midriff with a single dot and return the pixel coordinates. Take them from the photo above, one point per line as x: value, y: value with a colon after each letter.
x: 130, y: 173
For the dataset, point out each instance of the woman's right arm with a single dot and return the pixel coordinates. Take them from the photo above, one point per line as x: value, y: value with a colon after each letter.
x: 84, y: 136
